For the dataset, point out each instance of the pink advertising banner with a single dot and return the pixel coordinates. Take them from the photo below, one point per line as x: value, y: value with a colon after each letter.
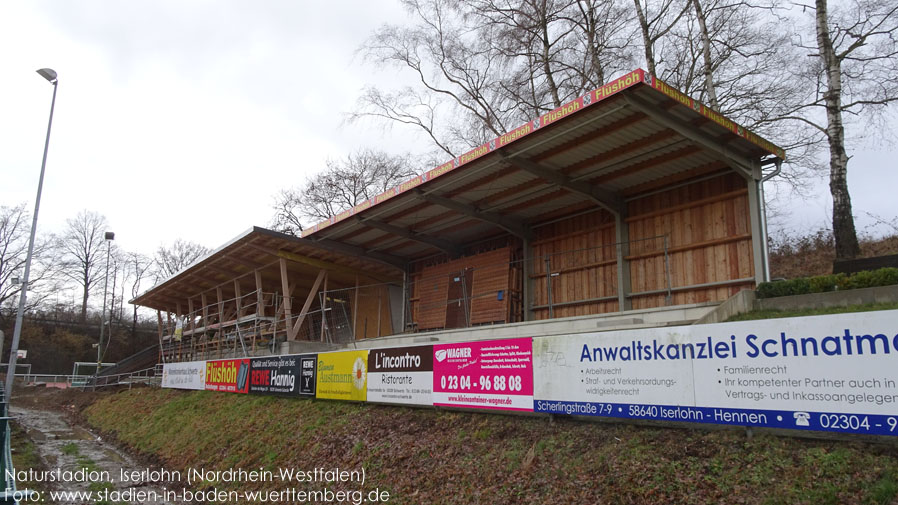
x: 491, y: 374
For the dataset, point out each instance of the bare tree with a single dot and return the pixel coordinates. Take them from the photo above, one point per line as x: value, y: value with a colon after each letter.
x: 851, y: 73
x: 532, y: 38
x: 341, y: 186
x: 82, y: 252
x: 554, y: 50
x: 14, y: 235
x: 139, y: 269
x: 460, y: 74
x: 656, y: 18
x: 170, y: 260
x: 116, y: 270
x: 604, y: 41
x: 730, y: 54
x: 484, y: 66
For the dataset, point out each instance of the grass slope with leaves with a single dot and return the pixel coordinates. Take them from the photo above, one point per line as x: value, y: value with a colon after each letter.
x: 778, y: 314
x: 438, y: 456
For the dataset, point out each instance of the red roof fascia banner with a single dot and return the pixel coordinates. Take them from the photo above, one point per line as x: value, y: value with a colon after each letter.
x: 704, y: 110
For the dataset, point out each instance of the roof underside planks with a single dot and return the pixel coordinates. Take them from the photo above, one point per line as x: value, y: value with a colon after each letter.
x: 261, y: 250
x: 598, y: 156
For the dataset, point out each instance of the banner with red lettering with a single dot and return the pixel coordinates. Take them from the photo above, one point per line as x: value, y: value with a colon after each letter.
x: 229, y: 375
x: 490, y: 374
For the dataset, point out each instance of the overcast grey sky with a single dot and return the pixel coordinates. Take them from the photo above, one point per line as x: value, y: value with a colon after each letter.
x: 182, y: 119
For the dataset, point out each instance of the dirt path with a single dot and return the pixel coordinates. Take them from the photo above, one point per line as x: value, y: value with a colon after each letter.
x: 67, y: 448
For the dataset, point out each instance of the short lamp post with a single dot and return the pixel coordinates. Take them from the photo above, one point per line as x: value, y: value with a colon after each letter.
x: 110, y: 236
x: 50, y: 76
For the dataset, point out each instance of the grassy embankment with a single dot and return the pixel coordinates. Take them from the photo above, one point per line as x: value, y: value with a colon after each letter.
x: 437, y: 456
x: 776, y: 314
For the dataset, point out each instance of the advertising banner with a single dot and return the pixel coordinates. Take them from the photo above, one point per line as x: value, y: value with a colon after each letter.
x: 401, y: 375
x: 277, y: 375
x: 342, y: 375
x: 307, y: 366
x: 187, y: 375
x: 831, y: 373
x: 490, y: 374
x: 229, y: 375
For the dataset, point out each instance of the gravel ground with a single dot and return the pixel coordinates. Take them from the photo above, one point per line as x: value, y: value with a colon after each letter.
x: 66, y: 447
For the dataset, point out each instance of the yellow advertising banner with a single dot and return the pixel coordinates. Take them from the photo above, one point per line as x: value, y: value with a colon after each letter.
x: 343, y: 376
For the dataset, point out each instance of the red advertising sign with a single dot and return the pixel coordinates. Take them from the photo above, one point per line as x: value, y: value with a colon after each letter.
x: 230, y: 375
x: 492, y: 374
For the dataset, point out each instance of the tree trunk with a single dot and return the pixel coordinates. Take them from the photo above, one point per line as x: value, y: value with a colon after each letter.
x: 646, y: 39
x: 843, y: 221
x: 84, y: 303
x: 547, y: 65
x: 706, y: 54
x: 598, y: 68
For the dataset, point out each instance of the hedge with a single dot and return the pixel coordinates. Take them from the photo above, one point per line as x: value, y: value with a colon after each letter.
x: 825, y: 283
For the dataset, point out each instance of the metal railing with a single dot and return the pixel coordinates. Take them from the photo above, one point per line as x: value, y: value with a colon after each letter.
x: 69, y: 380
x: 146, y: 376
x: 9, y: 496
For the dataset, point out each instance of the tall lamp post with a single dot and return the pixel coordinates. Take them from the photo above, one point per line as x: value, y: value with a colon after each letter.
x: 110, y: 236
x: 50, y: 76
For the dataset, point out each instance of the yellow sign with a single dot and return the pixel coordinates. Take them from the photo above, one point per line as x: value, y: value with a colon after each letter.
x: 343, y: 375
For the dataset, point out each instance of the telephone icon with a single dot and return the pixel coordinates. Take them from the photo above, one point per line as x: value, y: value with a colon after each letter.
x: 802, y: 419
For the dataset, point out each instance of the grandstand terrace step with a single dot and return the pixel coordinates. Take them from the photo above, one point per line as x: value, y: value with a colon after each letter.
x: 140, y: 360
x: 631, y: 319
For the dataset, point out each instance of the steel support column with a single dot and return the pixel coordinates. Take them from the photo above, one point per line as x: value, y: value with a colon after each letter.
x: 622, y: 237
x: 757, y: 233
x: 526, y: 282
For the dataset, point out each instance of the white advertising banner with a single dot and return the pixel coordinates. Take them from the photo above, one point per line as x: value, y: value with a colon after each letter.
x: 401, y: 375
x: 831, y: 373
x: 187, y: 375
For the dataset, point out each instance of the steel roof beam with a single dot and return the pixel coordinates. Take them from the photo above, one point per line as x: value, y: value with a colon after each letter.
x: 513, y: 226
x: 339, y: 247
x: 443, y: 245
x: 360, y: 252
x: 605, y: 199
x: 330, y: 266
x: 668, y: 120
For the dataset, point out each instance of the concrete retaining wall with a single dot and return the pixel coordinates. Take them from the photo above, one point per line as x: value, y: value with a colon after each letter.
x: 881, y: 294
x: 746, y: 301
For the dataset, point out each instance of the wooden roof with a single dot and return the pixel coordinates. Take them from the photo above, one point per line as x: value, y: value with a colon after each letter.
x: 260, y: 249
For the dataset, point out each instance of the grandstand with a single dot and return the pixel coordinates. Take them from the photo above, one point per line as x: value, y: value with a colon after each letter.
x: 633, y: 205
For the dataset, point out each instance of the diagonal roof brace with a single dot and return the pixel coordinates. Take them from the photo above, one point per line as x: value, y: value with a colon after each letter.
x: 668, y: 120
x: 513, y: 226
x: 605, y: 199
x: 444, y: 245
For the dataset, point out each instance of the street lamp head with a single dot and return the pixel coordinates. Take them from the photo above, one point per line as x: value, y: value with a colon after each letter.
x: 110, y: 235
x: 48, y: 74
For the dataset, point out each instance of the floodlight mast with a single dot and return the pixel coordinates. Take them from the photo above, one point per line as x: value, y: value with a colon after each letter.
x: 109, y: 236
x: 50, y: 76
